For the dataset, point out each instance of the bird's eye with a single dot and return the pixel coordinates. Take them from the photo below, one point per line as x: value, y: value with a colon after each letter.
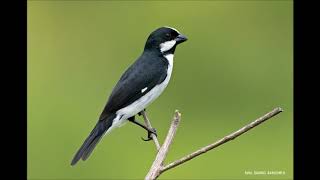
x: 168, y: 35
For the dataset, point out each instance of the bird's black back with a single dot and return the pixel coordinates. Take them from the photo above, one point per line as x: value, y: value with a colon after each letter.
x: 148, y: 70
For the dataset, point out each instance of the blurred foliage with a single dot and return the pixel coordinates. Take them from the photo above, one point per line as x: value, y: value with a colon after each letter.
x: 236, y: 66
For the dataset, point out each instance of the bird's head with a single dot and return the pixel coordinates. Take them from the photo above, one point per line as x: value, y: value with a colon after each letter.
x: 165, y: 40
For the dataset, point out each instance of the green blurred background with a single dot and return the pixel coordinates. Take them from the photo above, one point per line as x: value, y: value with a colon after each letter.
x: 236, y: 66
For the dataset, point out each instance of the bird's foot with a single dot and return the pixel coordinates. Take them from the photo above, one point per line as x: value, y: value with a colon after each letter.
x: 140, y: 113
x: 150, y: 132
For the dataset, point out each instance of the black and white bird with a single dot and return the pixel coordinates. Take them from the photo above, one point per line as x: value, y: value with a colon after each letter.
x: 137, y: 88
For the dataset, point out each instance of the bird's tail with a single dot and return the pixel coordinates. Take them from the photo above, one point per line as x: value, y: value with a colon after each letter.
x: 92, y: 140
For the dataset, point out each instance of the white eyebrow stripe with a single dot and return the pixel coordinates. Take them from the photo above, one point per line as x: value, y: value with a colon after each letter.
x: 173, y: 29
x: 144, y: 89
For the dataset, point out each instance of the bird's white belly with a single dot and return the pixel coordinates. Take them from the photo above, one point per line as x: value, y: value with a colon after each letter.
x: 140, y: 104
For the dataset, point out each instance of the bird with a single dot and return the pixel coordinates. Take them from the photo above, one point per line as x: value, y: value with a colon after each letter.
x: 137, y: 88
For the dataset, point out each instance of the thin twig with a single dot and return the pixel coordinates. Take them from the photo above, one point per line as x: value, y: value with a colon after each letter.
x: 156, y: 167
x: 148, y: 124
x: 223, y: 140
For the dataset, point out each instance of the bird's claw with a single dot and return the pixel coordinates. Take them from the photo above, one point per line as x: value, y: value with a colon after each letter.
x: 150, y: 132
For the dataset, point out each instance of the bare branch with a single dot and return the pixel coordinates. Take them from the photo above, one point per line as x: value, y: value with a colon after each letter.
x: 156, y: 167
x: 223, y: 140
x: 148, y: 124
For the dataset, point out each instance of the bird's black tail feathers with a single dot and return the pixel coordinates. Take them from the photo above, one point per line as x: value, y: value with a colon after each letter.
x: 92, y: 140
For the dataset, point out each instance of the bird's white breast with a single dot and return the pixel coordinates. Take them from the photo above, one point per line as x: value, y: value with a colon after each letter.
x: 145, y: 100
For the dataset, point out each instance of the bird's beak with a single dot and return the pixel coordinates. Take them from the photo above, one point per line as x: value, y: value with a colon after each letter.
x: 181, y: 38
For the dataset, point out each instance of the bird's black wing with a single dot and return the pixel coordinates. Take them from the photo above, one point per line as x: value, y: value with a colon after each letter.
x: 145, y: 72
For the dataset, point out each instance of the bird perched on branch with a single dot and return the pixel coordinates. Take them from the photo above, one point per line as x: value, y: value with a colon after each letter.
x: 137, y: 88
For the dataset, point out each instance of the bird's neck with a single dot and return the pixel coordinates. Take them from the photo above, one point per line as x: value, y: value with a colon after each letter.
x: 157, y: 52
x: 170, y: 51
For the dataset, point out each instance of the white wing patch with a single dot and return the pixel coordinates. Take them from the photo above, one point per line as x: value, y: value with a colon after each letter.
x: 144, y: 89
x: 145, y: 100
x: 166, y: 46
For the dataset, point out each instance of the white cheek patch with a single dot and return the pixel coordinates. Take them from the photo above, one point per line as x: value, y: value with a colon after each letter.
x: 144, y: 89
x: 166, y: 46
